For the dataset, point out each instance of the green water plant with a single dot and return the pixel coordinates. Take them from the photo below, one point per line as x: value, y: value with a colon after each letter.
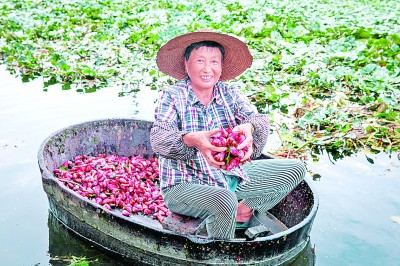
x: 328, y: 72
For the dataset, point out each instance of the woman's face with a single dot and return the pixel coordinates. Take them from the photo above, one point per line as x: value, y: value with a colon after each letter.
x: 204, y: 67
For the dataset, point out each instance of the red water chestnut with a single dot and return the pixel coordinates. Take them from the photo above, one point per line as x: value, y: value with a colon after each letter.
x: 230, y: 139
x: 128, y: 185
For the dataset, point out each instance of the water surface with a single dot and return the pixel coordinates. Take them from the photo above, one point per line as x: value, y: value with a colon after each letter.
x: 354, y: 224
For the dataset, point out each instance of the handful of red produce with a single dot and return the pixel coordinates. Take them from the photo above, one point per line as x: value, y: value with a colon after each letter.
x: 230, y: 139
x: 127, y: 184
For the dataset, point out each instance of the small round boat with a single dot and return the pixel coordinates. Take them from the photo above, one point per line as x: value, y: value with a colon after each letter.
x: 139, y: 238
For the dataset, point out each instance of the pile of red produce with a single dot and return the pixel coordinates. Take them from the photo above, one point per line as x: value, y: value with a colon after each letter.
x: 230, y: 139
x: 129, y: 184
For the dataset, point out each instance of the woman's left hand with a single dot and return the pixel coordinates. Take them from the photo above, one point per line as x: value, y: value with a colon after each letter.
x: 247, y: 129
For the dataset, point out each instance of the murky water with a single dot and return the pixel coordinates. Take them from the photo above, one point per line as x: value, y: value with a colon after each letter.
x: 355, y: 224
x: 359, y: 201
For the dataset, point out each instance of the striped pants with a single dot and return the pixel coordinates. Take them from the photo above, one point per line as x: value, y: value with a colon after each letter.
x: 271, y: 181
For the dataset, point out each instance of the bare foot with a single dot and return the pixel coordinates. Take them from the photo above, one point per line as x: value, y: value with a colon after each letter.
x: 243, y: 213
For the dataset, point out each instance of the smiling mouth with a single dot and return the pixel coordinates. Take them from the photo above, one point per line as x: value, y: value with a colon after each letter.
x: 206, y: 77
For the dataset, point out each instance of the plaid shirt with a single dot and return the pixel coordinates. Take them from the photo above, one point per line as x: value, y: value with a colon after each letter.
x: 179, y: 112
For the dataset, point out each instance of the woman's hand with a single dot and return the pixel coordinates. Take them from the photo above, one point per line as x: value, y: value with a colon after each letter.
x: 247, y: 129
x: 201, y: 140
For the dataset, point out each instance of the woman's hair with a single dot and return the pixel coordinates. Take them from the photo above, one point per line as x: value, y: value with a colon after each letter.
x: 196, y: 45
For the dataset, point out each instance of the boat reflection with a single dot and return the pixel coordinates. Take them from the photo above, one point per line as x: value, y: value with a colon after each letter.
x: 64, y: 245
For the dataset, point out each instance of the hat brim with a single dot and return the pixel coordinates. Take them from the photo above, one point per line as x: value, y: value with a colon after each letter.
x: 170, y: 58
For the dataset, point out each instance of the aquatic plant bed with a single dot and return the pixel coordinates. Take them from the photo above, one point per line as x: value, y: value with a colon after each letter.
x: 327, y: 71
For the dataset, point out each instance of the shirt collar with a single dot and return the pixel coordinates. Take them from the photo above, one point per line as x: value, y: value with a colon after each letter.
x: 217, y: 96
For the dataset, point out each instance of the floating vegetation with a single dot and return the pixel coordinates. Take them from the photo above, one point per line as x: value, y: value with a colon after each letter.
x: 329, y: 76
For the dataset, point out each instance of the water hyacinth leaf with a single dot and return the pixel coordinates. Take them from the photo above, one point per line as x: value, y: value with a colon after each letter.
x: 66, y: 86
x: 63, y: 65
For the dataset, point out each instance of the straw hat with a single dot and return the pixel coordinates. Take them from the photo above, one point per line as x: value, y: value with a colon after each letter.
x: 170, y: 58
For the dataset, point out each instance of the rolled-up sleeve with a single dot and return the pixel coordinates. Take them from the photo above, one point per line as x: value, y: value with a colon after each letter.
x: 260, y: 123
x: 245, y: 112
x: 165, y: 135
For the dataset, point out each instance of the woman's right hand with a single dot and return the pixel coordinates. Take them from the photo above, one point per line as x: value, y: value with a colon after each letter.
x: 201, y: 140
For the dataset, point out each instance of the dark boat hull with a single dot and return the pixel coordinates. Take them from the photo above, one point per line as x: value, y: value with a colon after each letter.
x: 143, y: 239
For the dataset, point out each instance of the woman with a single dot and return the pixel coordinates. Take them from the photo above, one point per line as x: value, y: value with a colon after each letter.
x: 188, y: 113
